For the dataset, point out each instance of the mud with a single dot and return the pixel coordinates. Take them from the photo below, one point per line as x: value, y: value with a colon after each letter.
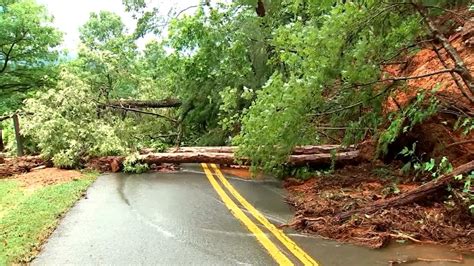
x: 19, y: 165
x: 46, y: 177
x: 437, y: 219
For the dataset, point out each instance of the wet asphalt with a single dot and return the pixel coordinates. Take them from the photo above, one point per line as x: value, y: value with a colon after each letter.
x: 178, y: 219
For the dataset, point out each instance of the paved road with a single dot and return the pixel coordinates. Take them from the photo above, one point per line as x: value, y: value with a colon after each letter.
x: 196, y: 217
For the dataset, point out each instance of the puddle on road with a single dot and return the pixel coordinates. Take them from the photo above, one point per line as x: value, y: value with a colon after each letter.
x: 121, y: 187
x: 330, y: 252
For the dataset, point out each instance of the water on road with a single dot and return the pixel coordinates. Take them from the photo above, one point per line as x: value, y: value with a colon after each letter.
x: 178, y: 218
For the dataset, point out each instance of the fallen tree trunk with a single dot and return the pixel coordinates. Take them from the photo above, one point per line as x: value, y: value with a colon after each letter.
x: 310, y: 149
x: 229, y: 158
x: 410, y: 196
x: 215, y: 149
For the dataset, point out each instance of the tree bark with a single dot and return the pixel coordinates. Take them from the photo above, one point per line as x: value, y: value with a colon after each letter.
x: 410, y: 196
x: 229, y: 158
x: 19, y: 139
x: 310, y: 149
x: 2, y: 146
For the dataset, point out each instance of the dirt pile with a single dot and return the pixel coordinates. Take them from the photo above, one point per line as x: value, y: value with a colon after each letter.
x: 13, y: 166
x: 437, y: 219
x: 105, y: 164
x: 47, y: 176
x: 431, y: 58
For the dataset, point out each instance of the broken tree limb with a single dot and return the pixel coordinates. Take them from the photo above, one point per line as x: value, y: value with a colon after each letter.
x: 166, y: 103
x: 229, y: 158
x: 410, y: 196
x: 309, y: 149
x: 141, y: 112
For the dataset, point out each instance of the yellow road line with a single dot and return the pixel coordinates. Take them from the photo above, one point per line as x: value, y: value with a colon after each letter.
x: 276, y: 253
x: 279, y: 234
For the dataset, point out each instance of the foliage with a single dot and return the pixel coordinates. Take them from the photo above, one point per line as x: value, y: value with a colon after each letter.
x: 65, y: 124
x: 467, y: 194
x: 69, y: 122
x: 419, y: 166
x: 107, y: 57
x: 322, y: 58
x: 29, y: 145
x: 27, y: 58
x: 132, y: 165
x: 404, y: 120
x: 28, y: 218
x: 465, y: 125
x: 264, y: 82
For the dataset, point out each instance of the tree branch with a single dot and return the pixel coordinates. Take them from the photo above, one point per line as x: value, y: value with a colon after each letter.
x: 393, y: 79
x: 448, y: 70
x: 467, y: 94
x: 7, y: 58
x: 460, y: 66
x: 166, y: 103
x: 139, y: 111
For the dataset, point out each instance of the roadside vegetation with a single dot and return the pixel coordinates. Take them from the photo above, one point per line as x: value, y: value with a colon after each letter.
x: 389, y: 80
x: 31, y: 208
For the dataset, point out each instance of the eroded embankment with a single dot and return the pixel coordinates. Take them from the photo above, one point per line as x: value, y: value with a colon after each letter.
x: 436, y: 219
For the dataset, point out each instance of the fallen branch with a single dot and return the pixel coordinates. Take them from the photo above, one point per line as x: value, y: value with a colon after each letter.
x: 405, y: 236
x: 140, y: 112
x: 393, y: 79
x: 410, y: 196
x: 466, y: 94
x: 2, y: 118
x: 166, y: 103
x: 460, y: 143
x: 442, y: 71
x: 412, y: 260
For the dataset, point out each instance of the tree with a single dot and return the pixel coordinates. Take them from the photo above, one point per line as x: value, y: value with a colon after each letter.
x: 28, y: 59
x: 107, y: 56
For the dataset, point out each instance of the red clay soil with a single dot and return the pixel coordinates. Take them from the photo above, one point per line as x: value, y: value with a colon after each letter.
x: 434, y: 220
x: 47, y: 176
x: 105, y: 164
x: 427, y: 61
x: 436, y: 137
x: 13, y: 166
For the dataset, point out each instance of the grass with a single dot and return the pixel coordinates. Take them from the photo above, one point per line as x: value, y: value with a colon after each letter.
x: 27, y: 218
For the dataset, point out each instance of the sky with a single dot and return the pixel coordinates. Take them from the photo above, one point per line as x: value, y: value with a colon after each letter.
x: 70, y: 15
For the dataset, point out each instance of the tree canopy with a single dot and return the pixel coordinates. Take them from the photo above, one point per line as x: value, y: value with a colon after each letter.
x: 28, y: 59
x: 264, y: 75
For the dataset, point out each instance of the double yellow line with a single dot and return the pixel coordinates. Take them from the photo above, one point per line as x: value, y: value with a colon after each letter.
x: 262, y: 238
